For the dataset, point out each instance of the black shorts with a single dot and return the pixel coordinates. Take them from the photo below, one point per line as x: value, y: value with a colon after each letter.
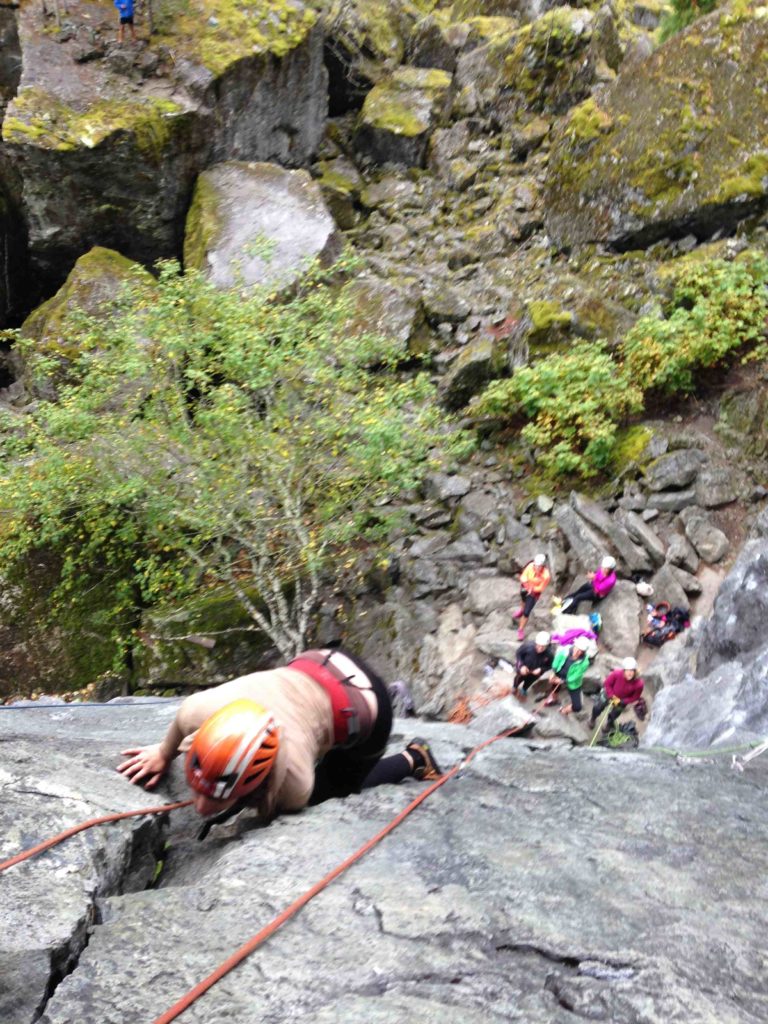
x: 127, y: 21
x: 344, y: 769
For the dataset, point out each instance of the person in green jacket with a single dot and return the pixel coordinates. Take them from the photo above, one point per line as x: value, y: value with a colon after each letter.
x: 569, y: 666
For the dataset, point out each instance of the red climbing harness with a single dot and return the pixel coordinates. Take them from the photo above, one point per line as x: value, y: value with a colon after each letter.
x: 352, y: 718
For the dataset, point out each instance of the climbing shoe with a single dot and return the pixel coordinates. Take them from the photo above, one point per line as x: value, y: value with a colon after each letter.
x: 424, y: 764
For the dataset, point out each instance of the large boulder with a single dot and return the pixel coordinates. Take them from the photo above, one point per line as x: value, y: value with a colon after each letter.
x: 362, y: 38
x: 400, y: 113
x: 387, y: 307
x: 709, y: 540
x: 743, y: 420
x: 735, y: 632
x: 546, y: 65
x: 258, y: 224
x: 675, y: 146
x: 125, y: 133
x: 620, y: 612
x: 94, y: 287
x: 719, y: 697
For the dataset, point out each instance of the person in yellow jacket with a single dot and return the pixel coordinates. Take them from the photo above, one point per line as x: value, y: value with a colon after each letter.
x: 534, y: 579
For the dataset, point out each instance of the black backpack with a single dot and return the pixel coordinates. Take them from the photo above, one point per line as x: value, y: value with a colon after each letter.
x: 676, y: 622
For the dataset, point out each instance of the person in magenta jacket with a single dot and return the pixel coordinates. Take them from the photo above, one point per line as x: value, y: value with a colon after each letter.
x: 621, y: 688
x: 598, y: 586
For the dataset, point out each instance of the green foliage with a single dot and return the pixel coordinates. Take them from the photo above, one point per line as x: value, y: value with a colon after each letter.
x: 683, y: 14
x: 573, y: 401
x: 718, y: 308
x: 207, y: 437
x: 570, y: 406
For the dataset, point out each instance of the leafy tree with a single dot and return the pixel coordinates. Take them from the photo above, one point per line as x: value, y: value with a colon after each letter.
x: 210, y: 437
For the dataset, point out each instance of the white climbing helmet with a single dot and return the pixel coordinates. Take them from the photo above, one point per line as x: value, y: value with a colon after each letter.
x: 629, y: 664
x: 644, y: 589
x: 542, y: 639
x: 609, y: 562
x: 582, y: 643
x: 540, y: 559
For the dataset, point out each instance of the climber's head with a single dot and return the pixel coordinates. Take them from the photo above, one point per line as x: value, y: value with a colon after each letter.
x: 231, y: 755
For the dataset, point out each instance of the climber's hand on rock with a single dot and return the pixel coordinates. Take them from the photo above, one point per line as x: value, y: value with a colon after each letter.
x: 145, y: 765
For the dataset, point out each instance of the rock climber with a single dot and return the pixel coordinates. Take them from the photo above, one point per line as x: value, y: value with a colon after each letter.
x: 569, y: 666
x: 282, y: 739
x: 534, y: 579
x: 532, y: 661
x: 621, y: 687
x: 598, y: 586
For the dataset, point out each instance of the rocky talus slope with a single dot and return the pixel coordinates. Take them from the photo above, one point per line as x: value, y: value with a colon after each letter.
x: 537, y: 886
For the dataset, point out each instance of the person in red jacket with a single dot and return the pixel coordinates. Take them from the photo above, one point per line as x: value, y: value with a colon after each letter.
x: 534, y: 579
x: 621, y: 688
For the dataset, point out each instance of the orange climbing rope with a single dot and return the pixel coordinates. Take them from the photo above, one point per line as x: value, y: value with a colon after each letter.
x: 269, y: 929
x: 26, y: 854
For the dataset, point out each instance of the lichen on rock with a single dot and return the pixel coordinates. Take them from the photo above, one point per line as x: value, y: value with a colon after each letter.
x: 676, y: 146
x: 93, y: 287
x: 400, y: 112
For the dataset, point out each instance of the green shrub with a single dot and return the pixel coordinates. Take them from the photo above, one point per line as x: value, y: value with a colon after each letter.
x: 574, y: 403
x: 718, y: 310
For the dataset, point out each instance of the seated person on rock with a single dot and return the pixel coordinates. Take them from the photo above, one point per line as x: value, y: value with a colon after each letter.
x: 569, y: 666
x: 533, y: 660
x: 598, y: 586
x: 621, y: 688
x: 282, y: 739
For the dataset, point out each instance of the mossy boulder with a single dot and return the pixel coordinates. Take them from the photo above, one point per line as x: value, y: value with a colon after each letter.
x: 389, y: 308
x: 244, y: 83
x: 545, y: 66
x: 400, y: 113
x: 479, y: 362
x: 436, y: 40
x: 743, y: 420
x: 55, y: 654
x: 678, y: 145
x: 258, y: 224
x: 365, y: 38
x: 340, y: 184
x: 49, y: 345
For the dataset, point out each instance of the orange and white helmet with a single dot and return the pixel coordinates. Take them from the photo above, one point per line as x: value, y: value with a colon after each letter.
x: 233, y: 751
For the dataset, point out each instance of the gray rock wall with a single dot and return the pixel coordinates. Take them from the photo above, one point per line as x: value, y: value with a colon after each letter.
x: 538, y: 886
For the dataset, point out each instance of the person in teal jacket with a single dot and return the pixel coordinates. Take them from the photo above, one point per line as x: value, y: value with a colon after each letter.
x: 569, y: 666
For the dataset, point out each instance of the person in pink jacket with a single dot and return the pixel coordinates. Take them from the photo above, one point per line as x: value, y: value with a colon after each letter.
x: 598, y: 586
x: 621, y: 688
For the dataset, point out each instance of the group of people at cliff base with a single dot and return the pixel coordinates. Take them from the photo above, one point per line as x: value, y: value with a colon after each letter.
x: 564, y: 665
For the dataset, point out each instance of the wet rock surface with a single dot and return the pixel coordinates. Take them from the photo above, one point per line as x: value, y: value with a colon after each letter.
x: 529, y: 889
